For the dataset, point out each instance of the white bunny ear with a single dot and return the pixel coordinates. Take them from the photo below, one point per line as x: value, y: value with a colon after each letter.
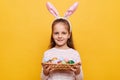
x: 52, y: 9
x: 71, y: 10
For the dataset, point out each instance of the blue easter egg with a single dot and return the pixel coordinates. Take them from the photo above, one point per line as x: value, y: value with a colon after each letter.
x: 46, y: 59
x: 61, y: 59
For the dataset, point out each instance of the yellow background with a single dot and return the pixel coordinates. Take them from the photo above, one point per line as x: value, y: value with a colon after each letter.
x: 25, y: 31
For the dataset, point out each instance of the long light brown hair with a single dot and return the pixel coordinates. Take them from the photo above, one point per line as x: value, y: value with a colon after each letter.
x: 69, y: 41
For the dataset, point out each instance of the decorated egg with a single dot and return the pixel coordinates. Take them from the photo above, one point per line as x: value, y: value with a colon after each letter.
x: 54, y: 58
x: 71, y: 62
x: 66, y: 59
x: 55, y: 61
x: 63, y: 62
x: 46, y: 59
x: 61, y: 59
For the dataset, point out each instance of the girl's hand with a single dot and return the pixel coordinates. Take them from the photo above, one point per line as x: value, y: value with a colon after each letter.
x: 75, y: 68
x: 47, y: 69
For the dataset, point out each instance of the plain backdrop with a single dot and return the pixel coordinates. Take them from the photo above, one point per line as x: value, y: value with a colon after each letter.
x: 25, y: 28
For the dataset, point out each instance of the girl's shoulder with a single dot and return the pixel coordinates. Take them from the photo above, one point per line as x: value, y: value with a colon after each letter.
x: 49, y: 50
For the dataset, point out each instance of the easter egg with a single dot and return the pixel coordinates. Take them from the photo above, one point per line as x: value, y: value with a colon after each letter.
x: 66, y: 59
x: 61, y: 59
x: 55, y: 61
x: 54, y: 58
x: 71, y: 62
x: 63, y: 62
x: 46, y: 59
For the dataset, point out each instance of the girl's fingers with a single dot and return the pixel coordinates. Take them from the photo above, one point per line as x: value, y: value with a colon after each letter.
x: 75, y: 67
x: 49, y: 67
x: 72, y: 68
x: 45, y: 66
x: 52, y: 69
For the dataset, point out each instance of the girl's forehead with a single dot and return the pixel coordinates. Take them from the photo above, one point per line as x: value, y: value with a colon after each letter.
x: 61, y: 25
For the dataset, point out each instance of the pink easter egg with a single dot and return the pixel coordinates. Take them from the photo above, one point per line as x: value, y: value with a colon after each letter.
x: 66, y: 59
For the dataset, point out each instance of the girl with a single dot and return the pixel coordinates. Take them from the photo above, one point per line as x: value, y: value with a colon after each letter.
x: 61, y: 46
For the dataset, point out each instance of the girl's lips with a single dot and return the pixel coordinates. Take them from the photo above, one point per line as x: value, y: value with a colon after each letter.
x: 59, y: 40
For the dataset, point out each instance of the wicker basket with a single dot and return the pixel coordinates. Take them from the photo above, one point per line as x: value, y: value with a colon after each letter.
x: 61, y: 66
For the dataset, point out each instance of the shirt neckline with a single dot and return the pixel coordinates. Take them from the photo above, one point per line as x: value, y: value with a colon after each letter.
x: 62, y: 49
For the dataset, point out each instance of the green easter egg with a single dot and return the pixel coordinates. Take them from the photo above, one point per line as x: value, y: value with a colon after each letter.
x: 63, y: 62
x: 71, y: 62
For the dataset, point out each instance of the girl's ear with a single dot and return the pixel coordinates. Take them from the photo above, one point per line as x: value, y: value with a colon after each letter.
x: 52, y: 9
x: 71, y: 10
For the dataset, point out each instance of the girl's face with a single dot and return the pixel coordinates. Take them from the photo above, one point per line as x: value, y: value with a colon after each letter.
x: 60, y: 34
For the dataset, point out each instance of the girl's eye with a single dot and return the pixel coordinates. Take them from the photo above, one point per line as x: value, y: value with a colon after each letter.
x: 64, y: 33
x: 61, y: 33
x: 56, y: 33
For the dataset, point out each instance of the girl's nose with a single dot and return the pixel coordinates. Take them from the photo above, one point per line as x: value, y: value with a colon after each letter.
x: 60, y: 35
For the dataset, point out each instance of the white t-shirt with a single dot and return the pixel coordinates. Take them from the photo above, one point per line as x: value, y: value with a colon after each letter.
x: 70, y: 54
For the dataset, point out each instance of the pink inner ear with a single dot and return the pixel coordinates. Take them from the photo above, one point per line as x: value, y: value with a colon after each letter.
x: 71, y: 10
x: 52, y: 9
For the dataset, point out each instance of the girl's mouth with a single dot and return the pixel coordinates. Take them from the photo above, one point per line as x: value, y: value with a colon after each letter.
x: 60, y: 40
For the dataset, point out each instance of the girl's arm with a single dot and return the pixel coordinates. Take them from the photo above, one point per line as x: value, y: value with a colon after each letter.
x: 77, y: 69
x: 43, y: 76
x: 80, y: 75
x: 46, y: 69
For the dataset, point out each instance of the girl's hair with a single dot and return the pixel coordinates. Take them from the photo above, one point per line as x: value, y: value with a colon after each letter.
x: 69, y: 41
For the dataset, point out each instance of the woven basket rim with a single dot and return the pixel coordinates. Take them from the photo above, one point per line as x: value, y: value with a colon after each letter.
x: 60, y: 64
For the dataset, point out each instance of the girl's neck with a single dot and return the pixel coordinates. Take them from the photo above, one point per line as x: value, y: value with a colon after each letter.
x: 62, y: 47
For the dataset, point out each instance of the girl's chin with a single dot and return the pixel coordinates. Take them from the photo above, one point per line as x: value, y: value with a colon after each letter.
x: 60, y: 44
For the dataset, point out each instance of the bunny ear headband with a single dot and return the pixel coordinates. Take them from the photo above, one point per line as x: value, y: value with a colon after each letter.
x: 55, y: 13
